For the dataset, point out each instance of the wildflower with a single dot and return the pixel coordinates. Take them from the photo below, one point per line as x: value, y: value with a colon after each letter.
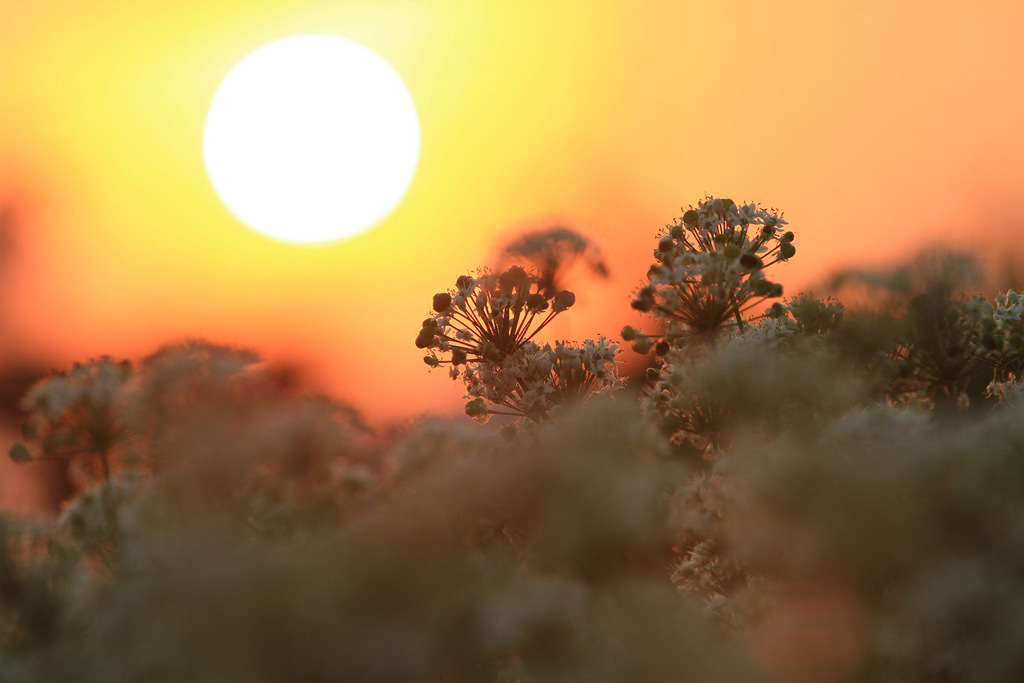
x: 710, y: 268
x: 553, y: 251
x: 489, y: 317
x: 75, y: 414
x: 537, y: 378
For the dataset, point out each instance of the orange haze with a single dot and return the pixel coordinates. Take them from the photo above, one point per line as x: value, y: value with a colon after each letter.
x: 878, y: 127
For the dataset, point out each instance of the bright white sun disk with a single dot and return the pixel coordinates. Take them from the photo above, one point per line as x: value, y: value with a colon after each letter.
x: 311, y: 139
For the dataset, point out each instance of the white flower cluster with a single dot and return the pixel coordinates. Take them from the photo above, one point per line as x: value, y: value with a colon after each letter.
x: 767, y: 333
x: 717, y: 223
x: 537, y: 378
x: 1010, y: 392
x: 996, y: 332
x: 1009, y: 308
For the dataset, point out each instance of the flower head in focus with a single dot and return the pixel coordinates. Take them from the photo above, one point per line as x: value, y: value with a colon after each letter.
x: 710, y: 269
x: 488, y: 317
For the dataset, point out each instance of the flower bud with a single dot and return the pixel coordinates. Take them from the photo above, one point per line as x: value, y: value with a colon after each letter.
x: 424, y: 338
x: 665, y: 244
x: 464, y: 282
x: 751, y: 261
x: 458, y: 356
x: 786, y: 250
x: 476, y: 408
x: 652, y: 375
x: 563, y: 300
x: 642, y: 344
x: 641, y: 304
x: 628, y: 333
x: 19, y: 453
x: 431, y: 361
x: 536, y: 302
x: 691, y: 217
x: 661, y: 348
x: 442, y: 300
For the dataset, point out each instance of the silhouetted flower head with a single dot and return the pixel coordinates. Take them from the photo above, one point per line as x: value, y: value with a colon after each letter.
x: 552, y: 252
x: 488, y: 317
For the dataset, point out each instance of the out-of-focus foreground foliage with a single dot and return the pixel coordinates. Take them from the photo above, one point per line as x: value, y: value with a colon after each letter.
x: 800, y: 494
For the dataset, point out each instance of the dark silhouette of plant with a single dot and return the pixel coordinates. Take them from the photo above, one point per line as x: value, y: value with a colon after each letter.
x: 552, y: 252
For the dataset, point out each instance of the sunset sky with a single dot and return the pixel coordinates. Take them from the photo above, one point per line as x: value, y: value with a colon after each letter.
x: 879, y: 128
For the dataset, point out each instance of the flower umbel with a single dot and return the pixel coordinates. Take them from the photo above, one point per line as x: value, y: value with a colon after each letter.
x: 489, y: 317
x: 710, y: 269
x: 484, y: 329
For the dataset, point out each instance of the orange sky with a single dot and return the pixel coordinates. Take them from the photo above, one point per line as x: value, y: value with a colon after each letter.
x: 878, y: 127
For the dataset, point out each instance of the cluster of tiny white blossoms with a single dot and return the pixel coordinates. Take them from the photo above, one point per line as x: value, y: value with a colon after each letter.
x: 999, y: 342
x: 710, y: 271
x: 1007, y: 330
x: 537, y: 378
x: 484, y: 329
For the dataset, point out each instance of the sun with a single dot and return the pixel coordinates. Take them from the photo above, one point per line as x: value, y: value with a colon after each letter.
x: 311, y: 139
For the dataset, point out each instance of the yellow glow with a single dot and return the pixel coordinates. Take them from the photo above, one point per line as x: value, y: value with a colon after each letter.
x: 608, y: 116
x: 311, y: 139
